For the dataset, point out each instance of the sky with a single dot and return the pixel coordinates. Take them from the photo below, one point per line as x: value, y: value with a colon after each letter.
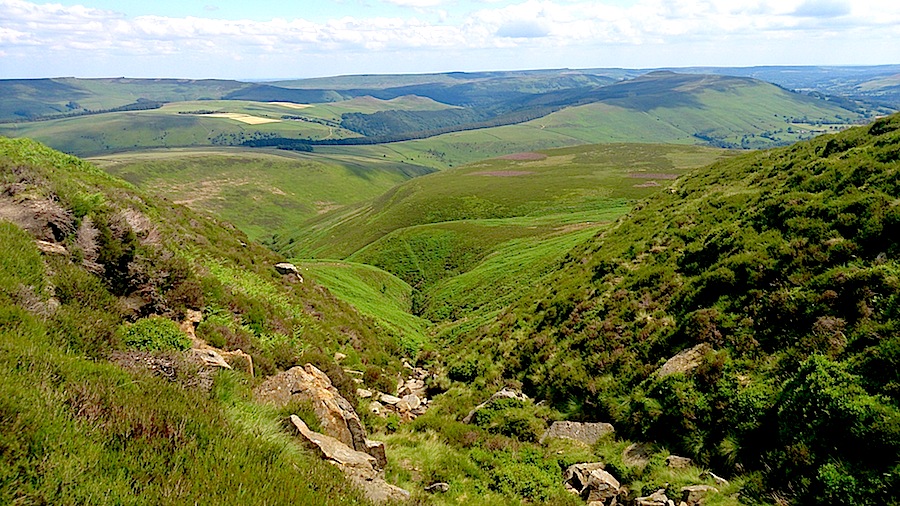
x: 279, y: 39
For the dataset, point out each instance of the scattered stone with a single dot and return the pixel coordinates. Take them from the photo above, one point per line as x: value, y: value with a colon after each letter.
x: 587, y: 433
x: 657, y: 498
x: 684, y: 361
x: 637, y: 454
x: 379, y: 491
x: 376, y: 407
x: 51, y: 248
x: 505, y: 393
x: 438, y: 487
x: 592, y: 483
x: 289, y: 269
x: 695, y: 494
x: 338, y: 356
x: 708, y: 475
x: 362, y: 393
x: 676, y: 462
x: 413, y: 401
x: 389, y: 399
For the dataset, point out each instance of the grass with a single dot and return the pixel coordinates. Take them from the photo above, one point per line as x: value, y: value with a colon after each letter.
x: 262, y: 193
x: 570, y: 180
x: 373, y: 292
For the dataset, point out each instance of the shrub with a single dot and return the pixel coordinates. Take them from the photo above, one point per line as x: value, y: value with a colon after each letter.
x: 155, y: 333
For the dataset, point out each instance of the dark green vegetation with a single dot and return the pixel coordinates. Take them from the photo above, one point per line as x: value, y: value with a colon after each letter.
x: 75, y: 427
x: 785, y: 263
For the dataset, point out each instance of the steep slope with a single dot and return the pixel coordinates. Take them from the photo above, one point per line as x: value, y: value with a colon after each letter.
x: 98, y: 403
x: 780, y: 271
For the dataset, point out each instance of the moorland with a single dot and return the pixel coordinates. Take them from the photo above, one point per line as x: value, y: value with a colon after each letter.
x: 704, y: 258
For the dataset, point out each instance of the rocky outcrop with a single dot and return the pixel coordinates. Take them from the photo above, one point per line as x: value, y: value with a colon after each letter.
x: 587, y: 433
x: 308, y: 384
x: 360, y: 467
x: 592, y: 483
x: 410, y: 400
x: 504, y: 393
x: 211, y: 356
x: 685, y: 361
x: 695, y: 494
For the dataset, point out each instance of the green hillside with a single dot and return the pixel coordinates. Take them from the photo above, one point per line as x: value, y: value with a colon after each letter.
x: 94, y: 277
x: 259, y: 192
x: 783, y: 265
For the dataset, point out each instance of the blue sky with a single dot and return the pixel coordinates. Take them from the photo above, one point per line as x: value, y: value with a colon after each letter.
x: 301, y: 38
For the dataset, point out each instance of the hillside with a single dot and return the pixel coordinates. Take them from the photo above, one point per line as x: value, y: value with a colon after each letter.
x: 99, y: 404
x: 779, y: 271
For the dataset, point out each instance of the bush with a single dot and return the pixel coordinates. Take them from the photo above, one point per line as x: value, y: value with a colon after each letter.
x: 155, y: 333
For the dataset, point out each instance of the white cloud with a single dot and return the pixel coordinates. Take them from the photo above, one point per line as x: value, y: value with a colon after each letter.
x: 37, y: 33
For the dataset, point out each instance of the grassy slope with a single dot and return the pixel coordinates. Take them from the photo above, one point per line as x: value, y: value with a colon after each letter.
x: 262, y: 193
x: 568, y: 181
x: 75, y: 428
x: 785, y: 263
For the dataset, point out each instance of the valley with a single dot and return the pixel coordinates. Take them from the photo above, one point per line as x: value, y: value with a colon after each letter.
x: 690, y: 275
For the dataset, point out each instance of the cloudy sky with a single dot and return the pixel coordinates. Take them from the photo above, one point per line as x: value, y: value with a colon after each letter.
x: 266, y: 39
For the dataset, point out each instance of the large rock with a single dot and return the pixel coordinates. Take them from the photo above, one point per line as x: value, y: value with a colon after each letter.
x: 349, y: 460
x: 504, y: 393
x: 695, y: 494
x: 308, y: 384
x: 587, y: 433
x: 361, y: 468
x: 676, y: 462
x: 592, y: 483
x: 657, y: 498
x: 289, y: 269
x: 685, y: 361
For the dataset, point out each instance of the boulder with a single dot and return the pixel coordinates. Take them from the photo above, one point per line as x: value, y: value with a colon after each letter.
x: 657, y: 498
x: 288, y: 269
x: 308, y: 384
x: 389, y: 399
x: 592, y: 483
x: 413, y: 401
x: 329, y: 448
x: 685, y: 361
x: 676, y: 462
x: 362, y: 393
x: 587, y: 433
x: 505, y: 393
x: 695, y: 494
x: 601, y: 487
x: 361, y: 468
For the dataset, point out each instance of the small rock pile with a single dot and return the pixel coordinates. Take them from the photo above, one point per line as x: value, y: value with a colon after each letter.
x: 411, y: 400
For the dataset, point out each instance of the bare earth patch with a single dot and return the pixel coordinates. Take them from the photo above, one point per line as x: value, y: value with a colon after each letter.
x: 323, y: 207
x: 648, y: 175
x: 502, y: 173
x: 243, y: 118
x: 648, y: 184
x: 524, y: 156
x: 291, y: 105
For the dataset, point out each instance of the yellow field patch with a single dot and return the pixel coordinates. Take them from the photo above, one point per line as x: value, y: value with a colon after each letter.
x: 291, y: 105
x: 244, y: 118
